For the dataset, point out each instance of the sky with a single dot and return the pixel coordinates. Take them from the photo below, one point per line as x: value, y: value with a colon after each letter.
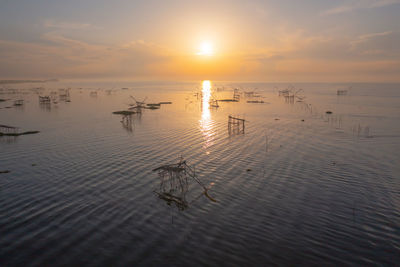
x: 253, y: 40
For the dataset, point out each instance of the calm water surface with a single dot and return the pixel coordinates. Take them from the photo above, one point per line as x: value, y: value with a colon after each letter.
x: 323, y: 191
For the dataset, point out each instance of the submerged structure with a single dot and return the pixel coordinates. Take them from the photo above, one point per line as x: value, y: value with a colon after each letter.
x: 6, y: 130
x: 64, y: 95
x: 213, y: 103
x: 44, y: 99
x: 291, y: 93
x: 236, y: 125
x: 343, y: 91
x: 18, y: 102
x: 174, y: 183
x: 235, y: 98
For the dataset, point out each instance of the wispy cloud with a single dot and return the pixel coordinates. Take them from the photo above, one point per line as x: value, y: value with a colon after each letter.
x: 359, y: 4
x: 52, y: 24
x: 65, y: 57
x: 367, y: 37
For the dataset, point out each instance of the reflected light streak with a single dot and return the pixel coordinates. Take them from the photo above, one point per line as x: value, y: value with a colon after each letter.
x: 206, y: 124
x: 206, y: 94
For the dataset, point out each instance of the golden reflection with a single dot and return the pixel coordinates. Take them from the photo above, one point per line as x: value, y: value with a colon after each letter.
x: 206, y: 94
x: 206, y: 123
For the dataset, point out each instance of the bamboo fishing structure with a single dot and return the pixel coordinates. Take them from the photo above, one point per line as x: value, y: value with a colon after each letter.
x: 236, y: 124
x: 174, y: 183
x: 44, y: 99
x: 343, y: 91
x: 18, y: 102
x: 8, y: 129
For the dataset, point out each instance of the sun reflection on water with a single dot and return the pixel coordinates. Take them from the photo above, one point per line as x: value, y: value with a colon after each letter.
x: 206, y: 123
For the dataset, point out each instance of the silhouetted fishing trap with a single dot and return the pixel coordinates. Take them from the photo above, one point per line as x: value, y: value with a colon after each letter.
x: 236, y: 125
x: 174, y: 184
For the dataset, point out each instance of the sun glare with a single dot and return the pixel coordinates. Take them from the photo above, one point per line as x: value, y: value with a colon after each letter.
x: 206, y: 123
x: 206, y: 49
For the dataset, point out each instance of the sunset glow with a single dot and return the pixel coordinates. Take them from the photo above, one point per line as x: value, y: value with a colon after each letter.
x: 206, y: 49
x: 259, y: 41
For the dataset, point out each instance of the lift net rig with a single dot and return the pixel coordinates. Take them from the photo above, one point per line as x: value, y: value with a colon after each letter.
x: 174, y: 183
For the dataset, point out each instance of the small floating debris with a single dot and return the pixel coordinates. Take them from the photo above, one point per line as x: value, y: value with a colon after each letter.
x: 44, y: 99
x: 124, y: 112
x: 18, y: 134
x: 255, y: 101
x: 18, y: 102
x: 3, y: 100
x: 153, y: 104
x: 302, y: 120
x: 248, y: 170
x: 152, y: 107
x: 328, y: 112
x: 5, y: 171
x: 165, y: 103
x: 228, y: 100
x: 343, y: 91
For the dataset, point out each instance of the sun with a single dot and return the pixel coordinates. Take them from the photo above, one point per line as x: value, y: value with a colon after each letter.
x: 206, y: 48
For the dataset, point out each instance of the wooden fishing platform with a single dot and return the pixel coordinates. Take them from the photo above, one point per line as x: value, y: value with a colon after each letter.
x: 236, y: 124
x: 44, y: 99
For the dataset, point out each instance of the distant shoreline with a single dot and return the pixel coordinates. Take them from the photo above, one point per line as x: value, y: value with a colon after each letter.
x: 26, y: 81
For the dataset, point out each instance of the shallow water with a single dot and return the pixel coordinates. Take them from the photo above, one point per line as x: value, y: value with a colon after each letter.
x: 325, y: 190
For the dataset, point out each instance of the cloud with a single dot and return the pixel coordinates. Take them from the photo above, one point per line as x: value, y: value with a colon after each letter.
x: 300, y: 44
x: 383, y: 45
x: 52, y: 24
x: 359, y: 4
x: 63, y: 57
x: 59, y: 39
x: 367, y: 37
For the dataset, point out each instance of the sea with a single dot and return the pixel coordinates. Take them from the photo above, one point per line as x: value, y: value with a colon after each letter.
x: 281, y: 174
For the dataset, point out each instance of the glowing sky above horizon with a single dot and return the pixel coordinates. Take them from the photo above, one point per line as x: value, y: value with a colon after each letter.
x: 309, y: 40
